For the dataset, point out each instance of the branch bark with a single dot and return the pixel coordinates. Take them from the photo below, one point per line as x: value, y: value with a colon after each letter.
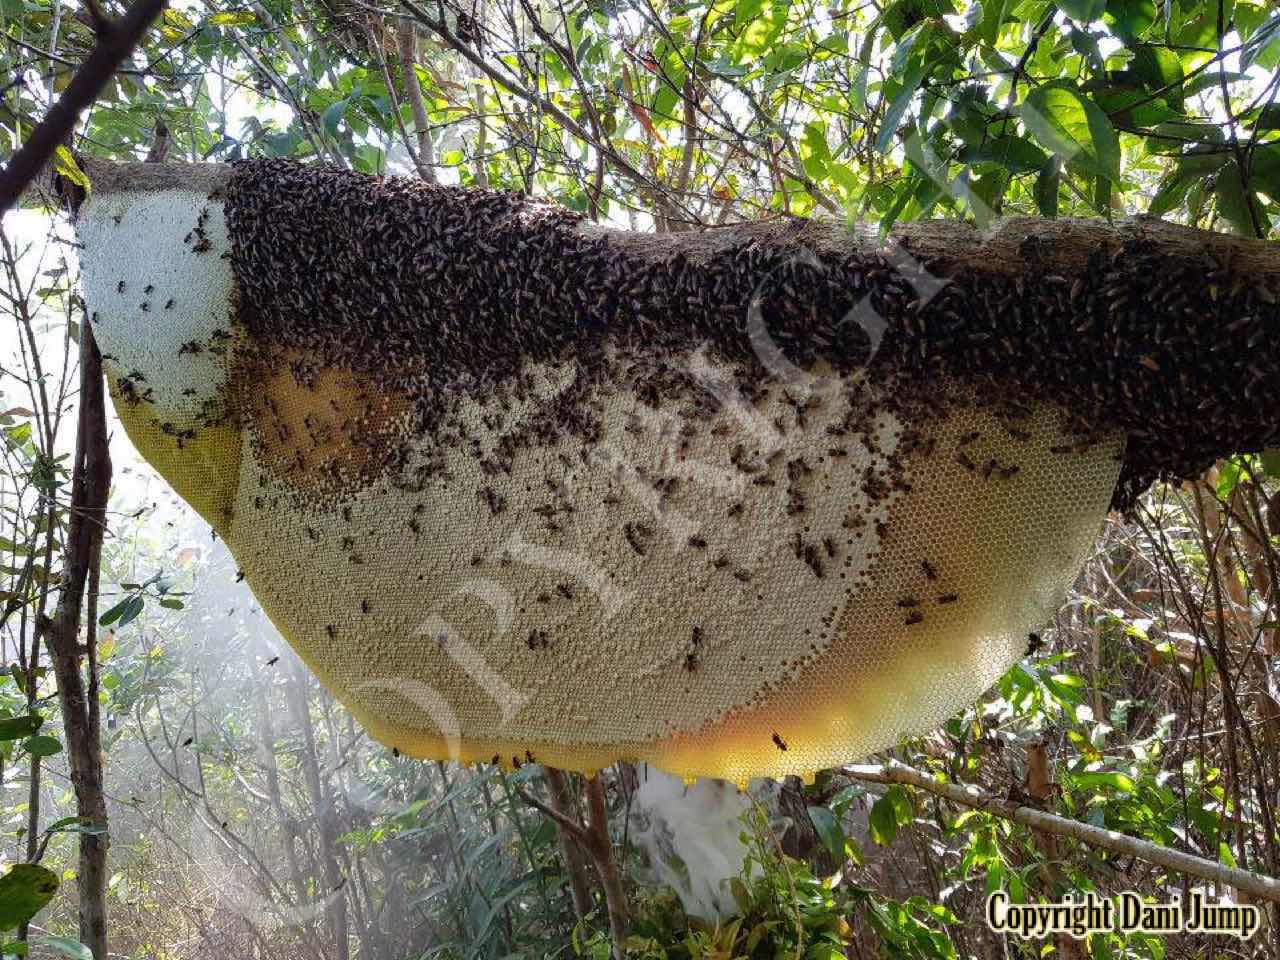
x: 600, y: 846
x: 1256, y: 885
x: 407, y: 41
x: 91, y: 481
x: 115, y: 43
x: 562, y: 800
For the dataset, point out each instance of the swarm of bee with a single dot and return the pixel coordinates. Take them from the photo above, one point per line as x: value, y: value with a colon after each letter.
x: 615, y: 499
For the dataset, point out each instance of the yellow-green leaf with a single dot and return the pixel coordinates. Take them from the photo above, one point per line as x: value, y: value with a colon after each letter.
x: 65, y: 165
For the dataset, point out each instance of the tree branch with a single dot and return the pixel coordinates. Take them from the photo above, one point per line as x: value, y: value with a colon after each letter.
x: 115, y: 43
x: 574, y: 830
x: 1256, y: 885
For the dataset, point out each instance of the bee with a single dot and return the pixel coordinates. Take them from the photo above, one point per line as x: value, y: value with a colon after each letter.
x: 691, y: 662
x: 364, y: 606
x: 147, y: 289
x: 742, y: 575
x: 968, y: 438
x: 239, y: 575
x: 963, y: 459
x: 914, y: 617
x: 395, y: 752
x: 636, y: 533
x: 120, y: 287
x: 929, y: 570
x: 779, y: 742
x: 698, y: 543
x: 1034, y: 643
x: 908, y: 602
x: 331, y: 631
x: 948, y: 598
x: 564, y: 590
x: 168, y: 304
x: 273, y: 661
x: 735, y: 510
x: 697, y: 636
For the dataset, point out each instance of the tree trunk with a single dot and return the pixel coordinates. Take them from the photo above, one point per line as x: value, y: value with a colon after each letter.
x: 91, y: 481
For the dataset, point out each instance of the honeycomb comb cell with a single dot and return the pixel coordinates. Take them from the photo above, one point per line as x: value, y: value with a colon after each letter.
x: 745, y: 502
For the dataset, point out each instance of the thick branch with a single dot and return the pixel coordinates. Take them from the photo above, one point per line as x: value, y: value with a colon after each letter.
x: 1107, y: 322
x: 115, y: 43
x: 563, y: 800
x: 1256, y: 885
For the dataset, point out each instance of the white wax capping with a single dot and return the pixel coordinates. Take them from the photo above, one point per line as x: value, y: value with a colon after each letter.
x: 159, y: 290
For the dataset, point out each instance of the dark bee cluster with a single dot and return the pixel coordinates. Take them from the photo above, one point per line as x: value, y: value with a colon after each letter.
x: 437, y: 293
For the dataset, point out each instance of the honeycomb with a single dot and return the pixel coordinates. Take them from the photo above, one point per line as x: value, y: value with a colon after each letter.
x: 786, y: 579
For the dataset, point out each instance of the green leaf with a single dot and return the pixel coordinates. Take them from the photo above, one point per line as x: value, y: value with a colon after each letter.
x: 233, y: 18
x: 15, y: 728
x: 65, y: 165
x: 1238, y: 206
x: 333, y: 115
x: 133, y: 606
x: 1105, y: 779
x: 14, y: 948
x: 898, y: 107
x: 1158, y: 68
x: 1129, y: 19
x: 66, y: 947
x: 172, y: 603
x: 1074, y: 128
x: 76, y: 825
x: 814, y: 152
x: 902, y: 15
x: 43, y: 746
x: 829, y: 830
x: 24, y: 891
x: 1264, y: 169
x: 1083, y: 11
x: 883, y: 821
x: 1271, y: 461
x: 112, y: 615
x: 1047, y: 185
x: 1015, y: 154
x: 1191, y: 168
x: 993, y: 17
